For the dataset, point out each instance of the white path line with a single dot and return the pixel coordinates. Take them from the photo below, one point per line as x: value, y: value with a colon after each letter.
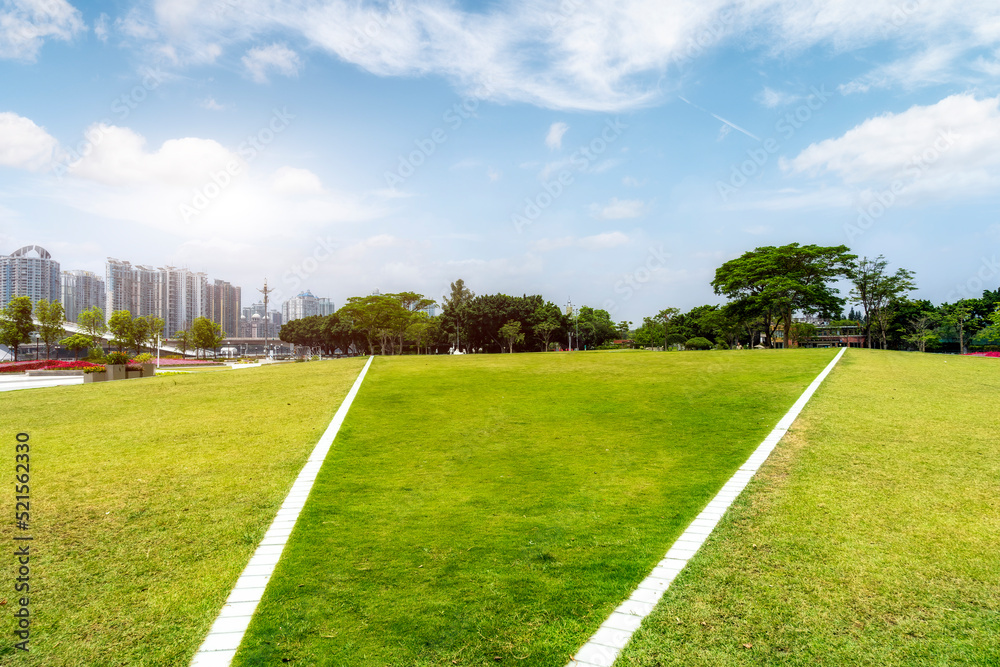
x: 602, y: 649
x: 227, y: 632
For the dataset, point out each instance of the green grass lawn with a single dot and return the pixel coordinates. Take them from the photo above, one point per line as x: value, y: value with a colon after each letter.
x: 871, y: 536
x: 479, y: 509
x: 147, y: 499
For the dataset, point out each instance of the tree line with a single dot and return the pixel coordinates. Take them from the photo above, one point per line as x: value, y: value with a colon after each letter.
x: 399, y: 323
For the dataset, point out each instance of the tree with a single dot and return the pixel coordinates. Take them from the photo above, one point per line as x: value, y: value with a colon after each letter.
x: 75, y: 343
x: 377, y: 316
x: 206, y: 334
x: 454, y: 309
x: 511, y: 332
x: 921, y: 331
x: 544, y: 331
x: 956, y: 316
x: 801, y: 332
x: 50, y: 316
x: 992, y: 332
x: 122, y: 329
x: 92, y: 323
x: 153, y: 329
x: 776, y: 282
x: 877, y: 291
x: 16, y: 325
x: 183, y: 339
x: 664, y: 317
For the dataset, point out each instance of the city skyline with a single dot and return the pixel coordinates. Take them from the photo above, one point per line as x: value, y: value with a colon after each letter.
x: 615, y: 157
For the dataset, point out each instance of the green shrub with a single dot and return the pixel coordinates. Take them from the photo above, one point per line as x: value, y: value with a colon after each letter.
x: 721, y: 345
x: 698, y: 343
x: 95, y: 354
x: 117, y: 358
x: 143, y: 358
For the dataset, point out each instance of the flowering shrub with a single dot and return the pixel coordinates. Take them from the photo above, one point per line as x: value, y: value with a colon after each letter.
x: 21, y: 366
x: 143, y: 358
x: 117, y: 358
x: 983, y: 354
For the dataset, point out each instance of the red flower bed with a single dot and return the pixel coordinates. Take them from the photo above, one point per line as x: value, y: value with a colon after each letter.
x: 984, y: 354
x: 21, y: 366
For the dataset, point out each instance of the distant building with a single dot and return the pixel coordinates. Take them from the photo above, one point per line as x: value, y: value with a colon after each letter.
x: 224, y: 305
x: 81, y: 290
x: 306, y: 305
x: 31, y: 272
x: 178, y: 296
x: 252, y: 322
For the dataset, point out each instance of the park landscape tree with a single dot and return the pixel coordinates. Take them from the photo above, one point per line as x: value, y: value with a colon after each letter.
x: 511, y: 334
x: 773, y: 283
x: 50, y: 316
x: 879, y: 293
x: 206, y: 334
x: 16, y: 324
x: 91, y: 321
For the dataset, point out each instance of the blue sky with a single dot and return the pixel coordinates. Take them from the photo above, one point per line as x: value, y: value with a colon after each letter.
x: 614, y: 155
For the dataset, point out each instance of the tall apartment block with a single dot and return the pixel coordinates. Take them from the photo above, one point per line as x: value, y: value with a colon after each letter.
x: 307, y: 305
x: 132, y: 288
x: 224, y: 305
x: 31, y: 272
x: 81, y: 290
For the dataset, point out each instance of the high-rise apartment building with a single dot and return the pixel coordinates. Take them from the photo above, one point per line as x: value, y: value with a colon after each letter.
x: 132, y: 288
x: 224, y: 306
x: 31, y: 272
x: 81, y: 290
x: 307, y: 305
x: 183, y: 295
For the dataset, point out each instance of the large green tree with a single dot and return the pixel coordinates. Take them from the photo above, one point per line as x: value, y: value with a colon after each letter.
x: 454, y: 310
x: 16, y: 324
x: 774, y: 283
x: 122, y: 329
x: 91, y: 321
x: 206, y: 334
x: 879, y: 292
x: 50, y: 316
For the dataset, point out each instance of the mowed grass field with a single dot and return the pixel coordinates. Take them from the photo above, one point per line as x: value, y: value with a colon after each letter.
x: 147, y: 499
x: 495, y: 509
x: 871, y: 536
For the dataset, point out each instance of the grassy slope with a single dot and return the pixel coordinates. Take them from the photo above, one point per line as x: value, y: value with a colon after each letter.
x: 869, y: 538
x: 148, y: 497
x: 489, y: 507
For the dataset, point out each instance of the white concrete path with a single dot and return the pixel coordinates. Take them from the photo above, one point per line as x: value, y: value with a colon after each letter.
x: 15, y: 381
x: 603, y: 648
x: 227, y: 632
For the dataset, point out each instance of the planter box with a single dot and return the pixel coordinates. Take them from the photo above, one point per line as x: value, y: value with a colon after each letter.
x: 117, y: 372
x: 148, y: 370
x: 95, y: 377
x: 131, y: 375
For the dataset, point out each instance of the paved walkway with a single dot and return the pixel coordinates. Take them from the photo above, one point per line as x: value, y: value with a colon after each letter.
x: 227, y: 632
x: 603, y: 648
x: 15, y: 381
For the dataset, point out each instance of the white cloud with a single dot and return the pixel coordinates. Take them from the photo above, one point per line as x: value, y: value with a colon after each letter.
x: 25, y: 145
x: 772, y: 99
x: 603, y: 241
x: 618, y: 209
x: 101, y: 27
x: 210, y: 104
x: 290, y: 181
x: 946, y: 149
x: 554, y: 138
x: 493, y: 175
x: 273, y: 58
x: 26, y: 24
x: 933, y: 65
x: 633, y: 182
